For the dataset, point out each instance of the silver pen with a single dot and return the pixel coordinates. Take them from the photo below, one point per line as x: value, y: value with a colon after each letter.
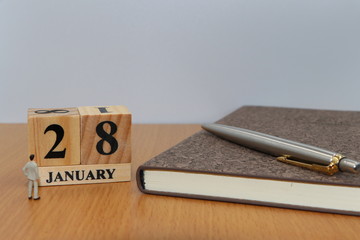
x: 287, y: 151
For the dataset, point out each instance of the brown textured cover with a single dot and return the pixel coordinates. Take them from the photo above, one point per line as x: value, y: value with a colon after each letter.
x: 338, y: 131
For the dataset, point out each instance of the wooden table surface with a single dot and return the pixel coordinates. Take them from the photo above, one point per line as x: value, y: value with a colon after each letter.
x: 121, y: 211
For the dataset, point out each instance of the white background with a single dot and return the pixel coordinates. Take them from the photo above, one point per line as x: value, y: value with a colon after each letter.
x: 178, y: 61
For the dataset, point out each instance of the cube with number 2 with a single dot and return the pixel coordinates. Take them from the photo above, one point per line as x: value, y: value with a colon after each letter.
x: 54, y: 136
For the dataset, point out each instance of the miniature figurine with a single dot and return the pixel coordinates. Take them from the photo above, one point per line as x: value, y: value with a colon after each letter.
x: 32, y: 172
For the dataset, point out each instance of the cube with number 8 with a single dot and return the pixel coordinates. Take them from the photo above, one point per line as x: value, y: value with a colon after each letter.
x: 105, y: 135
x: 54, y: 136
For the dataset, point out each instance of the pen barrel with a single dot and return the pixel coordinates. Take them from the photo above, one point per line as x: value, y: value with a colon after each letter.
x: 272, y: 145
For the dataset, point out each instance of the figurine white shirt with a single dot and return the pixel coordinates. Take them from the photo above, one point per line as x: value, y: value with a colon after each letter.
x: 31, y: 170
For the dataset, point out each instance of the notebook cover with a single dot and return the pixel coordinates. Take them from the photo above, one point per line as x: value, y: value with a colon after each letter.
x: 338, y: 131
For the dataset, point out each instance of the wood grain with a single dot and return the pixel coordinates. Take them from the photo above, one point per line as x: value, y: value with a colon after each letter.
x: 42, y: 141
x: 121, y: 211
x: 120, y: 132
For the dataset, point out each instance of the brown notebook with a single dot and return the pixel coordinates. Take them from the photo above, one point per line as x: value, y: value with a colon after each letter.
x: 206, y: 167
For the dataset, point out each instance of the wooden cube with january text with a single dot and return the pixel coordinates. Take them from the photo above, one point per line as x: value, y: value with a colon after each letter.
x: 81, y: 145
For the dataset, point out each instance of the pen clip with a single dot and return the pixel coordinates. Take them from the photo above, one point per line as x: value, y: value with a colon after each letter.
x: 330, y: 169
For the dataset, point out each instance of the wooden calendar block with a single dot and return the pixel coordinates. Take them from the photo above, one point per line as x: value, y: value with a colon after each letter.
x: 54, y: 136
x: 84, y: 174
x: 105, y: 135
